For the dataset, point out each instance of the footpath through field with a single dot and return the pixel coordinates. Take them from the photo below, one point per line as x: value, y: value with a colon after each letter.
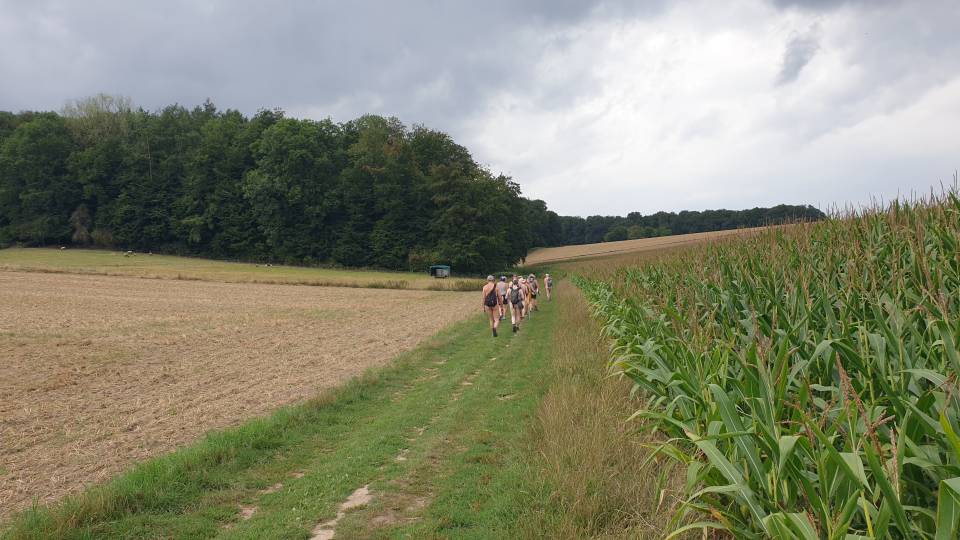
x: 427, y: 447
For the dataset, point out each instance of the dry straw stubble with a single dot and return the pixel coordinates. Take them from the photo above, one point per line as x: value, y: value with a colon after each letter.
x: 599, y: 477
x: 99, y: 371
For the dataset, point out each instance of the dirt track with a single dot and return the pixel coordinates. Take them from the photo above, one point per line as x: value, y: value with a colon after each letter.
x: 99, y: 372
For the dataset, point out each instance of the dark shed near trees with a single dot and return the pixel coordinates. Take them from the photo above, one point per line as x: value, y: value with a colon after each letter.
x: 440, y: 271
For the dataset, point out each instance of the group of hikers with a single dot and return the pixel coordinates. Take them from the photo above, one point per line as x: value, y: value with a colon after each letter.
x: 518, y: 295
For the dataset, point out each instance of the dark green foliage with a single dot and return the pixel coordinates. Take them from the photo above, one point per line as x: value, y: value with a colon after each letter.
x: 578, y: 230
x: 296, y: 169
x: 369, y: 192
x: 36, y: 193
x: 616, y: 233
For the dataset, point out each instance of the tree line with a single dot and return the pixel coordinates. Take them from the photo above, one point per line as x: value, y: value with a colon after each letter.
x: 216, y: 183
x: 593, y: 229
x: 368, y: 192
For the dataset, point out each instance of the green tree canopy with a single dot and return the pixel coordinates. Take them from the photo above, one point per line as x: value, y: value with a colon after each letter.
x: 368, y: 192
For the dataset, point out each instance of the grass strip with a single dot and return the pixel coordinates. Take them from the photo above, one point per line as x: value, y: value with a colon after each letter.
x: 539, y: 448
x: 590, y: 473
x: 115, y: 263
x: 469, y: 471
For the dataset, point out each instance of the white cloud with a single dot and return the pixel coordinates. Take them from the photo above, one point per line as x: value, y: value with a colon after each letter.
x: 689, y: 110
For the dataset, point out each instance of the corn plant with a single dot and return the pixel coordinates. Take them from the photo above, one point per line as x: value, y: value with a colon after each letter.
x: 806, y: 376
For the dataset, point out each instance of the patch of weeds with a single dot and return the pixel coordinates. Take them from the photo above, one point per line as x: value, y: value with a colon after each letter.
x: 462, y: 285
x: 388, y: 284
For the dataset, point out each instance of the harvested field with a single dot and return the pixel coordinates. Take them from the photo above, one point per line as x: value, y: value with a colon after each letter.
x: 564, y: 253
x: 99, y: 372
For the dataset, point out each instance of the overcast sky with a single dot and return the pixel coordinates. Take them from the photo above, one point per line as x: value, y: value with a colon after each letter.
x: 597, y: 108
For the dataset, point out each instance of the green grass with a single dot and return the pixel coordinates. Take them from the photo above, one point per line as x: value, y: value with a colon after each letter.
x: 471, y: 463
x: 115, y: 263
x: 539, y: 450
x: 592, y: 473
x: 806, y: 378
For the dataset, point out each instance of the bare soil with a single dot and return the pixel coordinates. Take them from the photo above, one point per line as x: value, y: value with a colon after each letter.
x: 99, y: 372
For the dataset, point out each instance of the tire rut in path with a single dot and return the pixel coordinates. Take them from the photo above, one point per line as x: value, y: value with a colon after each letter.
x: 362, y: 496
x: 448, y: 443
x: 326, y: 531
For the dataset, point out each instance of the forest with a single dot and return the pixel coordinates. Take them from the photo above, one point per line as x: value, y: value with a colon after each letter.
x: 216, y: 183
x: 578, y: 230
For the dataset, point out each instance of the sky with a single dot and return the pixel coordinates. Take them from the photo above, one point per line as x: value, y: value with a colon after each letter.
x: 595, y: 107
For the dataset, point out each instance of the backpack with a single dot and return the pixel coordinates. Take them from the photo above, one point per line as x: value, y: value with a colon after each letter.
x: 514, y: 294
x: 491, y: 299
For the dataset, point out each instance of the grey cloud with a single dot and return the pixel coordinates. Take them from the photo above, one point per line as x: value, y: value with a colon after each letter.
x: 799, y: 52
x: 809, y: 4
x: 827, y: 5
x: 899, y: 52
x: 424, y: 61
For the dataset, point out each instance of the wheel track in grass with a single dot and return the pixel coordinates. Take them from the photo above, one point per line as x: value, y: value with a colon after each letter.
x: 421, y: 410
x: 394, y: 493
x: 467, y: 442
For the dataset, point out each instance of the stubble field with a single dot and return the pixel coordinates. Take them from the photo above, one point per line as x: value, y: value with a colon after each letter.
x: 99, y: 372
x: 606, y: 249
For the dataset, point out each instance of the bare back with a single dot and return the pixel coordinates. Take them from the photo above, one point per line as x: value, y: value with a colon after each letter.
x: 486, y: 293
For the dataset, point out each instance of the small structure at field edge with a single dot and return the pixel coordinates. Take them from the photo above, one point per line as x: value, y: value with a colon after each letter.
x: 440, y: 271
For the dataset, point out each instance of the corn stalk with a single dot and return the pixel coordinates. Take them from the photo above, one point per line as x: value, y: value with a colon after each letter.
x: 807, y: 376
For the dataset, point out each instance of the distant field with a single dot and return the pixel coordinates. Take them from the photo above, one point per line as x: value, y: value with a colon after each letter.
x: 565, y: 253
x: 115, y: 263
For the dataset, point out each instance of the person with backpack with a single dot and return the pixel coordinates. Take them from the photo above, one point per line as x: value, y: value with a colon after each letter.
x: 534, y: 291
x: 502, y: 293
x: 492, y: 303
x: 548, y: 286
x: 516, y: 295
x: 522, y: 287
x: 527, y: 296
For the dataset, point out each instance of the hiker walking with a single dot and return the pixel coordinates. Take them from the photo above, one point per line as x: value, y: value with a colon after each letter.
x: 515, y: 294
x: 534, y: 291
x: 492, y: 304
x: 522, y: 291
x: 502, y: 293
x: 525, y: 312
x: 548, y: 286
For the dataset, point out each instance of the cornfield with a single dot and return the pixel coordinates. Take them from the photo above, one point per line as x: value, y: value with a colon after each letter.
x: 806, y: 377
